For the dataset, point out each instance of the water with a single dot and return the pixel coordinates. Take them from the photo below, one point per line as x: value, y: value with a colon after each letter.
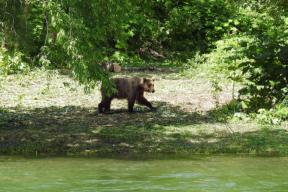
x: 97, y: 175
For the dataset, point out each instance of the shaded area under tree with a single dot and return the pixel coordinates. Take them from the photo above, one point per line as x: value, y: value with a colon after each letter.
x: 171, y: 130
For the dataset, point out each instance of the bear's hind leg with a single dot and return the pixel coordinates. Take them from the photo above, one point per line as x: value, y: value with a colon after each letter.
x: 131, y: 102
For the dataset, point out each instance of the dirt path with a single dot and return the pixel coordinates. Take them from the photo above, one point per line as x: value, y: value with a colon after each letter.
x: 43, y: 89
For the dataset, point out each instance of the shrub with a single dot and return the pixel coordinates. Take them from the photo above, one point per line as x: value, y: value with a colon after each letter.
x: 255, y: 55
x: 12, y: 62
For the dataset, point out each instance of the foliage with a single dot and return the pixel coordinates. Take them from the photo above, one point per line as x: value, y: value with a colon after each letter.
x: 255, y: 55
x: 266, y: 72
x: 80, y: 34
x: 275, y: 115
x: 12, y: 63
x: 63, y: 34
x: 194, y: 25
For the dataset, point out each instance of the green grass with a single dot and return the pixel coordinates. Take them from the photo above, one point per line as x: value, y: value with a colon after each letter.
x: 47, y: 113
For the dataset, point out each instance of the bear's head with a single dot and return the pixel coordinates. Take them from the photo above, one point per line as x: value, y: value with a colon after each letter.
x: 148, y: 85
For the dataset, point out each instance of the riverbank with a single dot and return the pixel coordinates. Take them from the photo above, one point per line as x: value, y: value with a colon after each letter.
x: 47, y: 113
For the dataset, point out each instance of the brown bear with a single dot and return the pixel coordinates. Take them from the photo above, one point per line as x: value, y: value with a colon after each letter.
x: 131, y: 89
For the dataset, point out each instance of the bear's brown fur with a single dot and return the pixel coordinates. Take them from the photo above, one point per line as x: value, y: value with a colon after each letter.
x: 131, y: 89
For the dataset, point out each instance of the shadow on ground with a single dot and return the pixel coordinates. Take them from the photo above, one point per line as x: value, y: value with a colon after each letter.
x: 71, y: 119
x: 74, y: 130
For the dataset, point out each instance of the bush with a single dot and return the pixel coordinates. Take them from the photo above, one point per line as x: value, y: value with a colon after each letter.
x: 275, y: 115
x: 255, y: 56
x: 12, y: 62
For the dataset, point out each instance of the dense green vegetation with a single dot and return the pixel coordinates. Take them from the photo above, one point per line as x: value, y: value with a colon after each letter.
x: 239, y: 43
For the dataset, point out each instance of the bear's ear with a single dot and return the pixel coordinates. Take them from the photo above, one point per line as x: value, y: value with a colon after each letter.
x: 145, y: 80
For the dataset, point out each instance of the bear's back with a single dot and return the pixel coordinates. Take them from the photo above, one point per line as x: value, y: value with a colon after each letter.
x: 127, y: 87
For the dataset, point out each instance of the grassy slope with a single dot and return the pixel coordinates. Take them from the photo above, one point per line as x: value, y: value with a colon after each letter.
x: 48, y: 113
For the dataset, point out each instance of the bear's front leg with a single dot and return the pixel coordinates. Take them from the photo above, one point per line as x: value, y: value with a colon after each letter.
x: 144, y: 101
